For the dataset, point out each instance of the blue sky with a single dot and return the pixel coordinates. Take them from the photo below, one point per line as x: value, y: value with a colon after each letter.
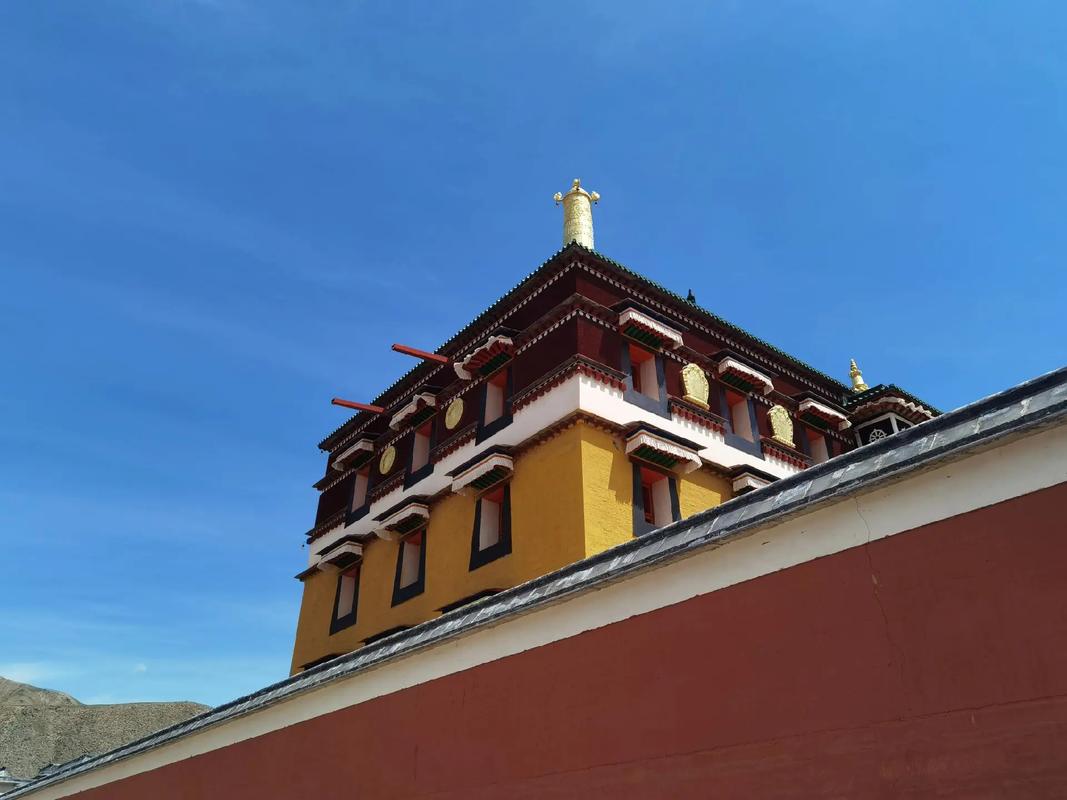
x: 217, y: 214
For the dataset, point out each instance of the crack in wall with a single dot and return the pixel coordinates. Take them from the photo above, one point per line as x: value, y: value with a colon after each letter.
x: 876, y: 592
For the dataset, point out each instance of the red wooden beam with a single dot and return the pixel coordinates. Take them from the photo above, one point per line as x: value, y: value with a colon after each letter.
x: 337, y: 401
x: 411, y: 351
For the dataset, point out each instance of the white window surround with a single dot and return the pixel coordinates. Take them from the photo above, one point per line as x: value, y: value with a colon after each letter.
x: 729, y: 364
x: 825, y: 412
x: 420, y: 450
x: 647, y: 372
x: 359, y: 490
x: 662, y: 513
x: 632, y: 316
x: 411, y: 556
x: 488, y: 523
x: 741, y: 419
x: 494, y: 403
x: 346, y: 599
x: 577, y: 393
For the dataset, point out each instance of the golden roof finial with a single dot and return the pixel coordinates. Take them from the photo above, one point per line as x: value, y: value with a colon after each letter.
x: 577, y: 214
x: 857, y: 378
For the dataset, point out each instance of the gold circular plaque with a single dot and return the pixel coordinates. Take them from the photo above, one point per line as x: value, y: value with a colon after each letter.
x: 385, y: 463
x: 454, y: 413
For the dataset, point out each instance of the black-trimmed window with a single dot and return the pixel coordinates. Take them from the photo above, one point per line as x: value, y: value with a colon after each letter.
x: 492, y: 527
x: 346, y: 600
x: 655, y: 499
x: 880, y: 428
x: 358, y: 506
x: 410, y: 579
x: 646, y: 384
x: 742, y: 429
x: 816, y: 445
x: 496, y: 404
x: 420, y: 465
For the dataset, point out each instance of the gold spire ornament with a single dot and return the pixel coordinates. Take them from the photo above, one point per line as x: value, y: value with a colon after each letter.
x: 857, y: 378
x: 577, y: 214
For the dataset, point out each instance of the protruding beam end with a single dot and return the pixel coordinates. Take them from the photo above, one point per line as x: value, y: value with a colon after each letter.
x: 424, y: 355
x: 337, y: 401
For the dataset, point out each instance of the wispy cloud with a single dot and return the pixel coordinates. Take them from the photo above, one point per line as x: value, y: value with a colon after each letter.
x: 38, y: 673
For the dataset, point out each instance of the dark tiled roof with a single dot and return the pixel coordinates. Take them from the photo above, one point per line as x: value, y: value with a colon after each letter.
x: 1024, y: 408
x: 854, y: 399
x: 574, y: 247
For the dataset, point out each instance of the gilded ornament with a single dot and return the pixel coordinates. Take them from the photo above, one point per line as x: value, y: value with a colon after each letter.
x: 695, y: 384
x: 385, y: 463
x: 577, y: 214
x: 857, y: 378
x: 454, y: 413
x: 781, y: 425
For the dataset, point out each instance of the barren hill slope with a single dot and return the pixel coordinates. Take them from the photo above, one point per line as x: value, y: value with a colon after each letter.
x: 40, y: 726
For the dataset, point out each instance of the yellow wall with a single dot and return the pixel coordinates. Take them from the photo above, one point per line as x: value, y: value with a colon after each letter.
x: 701, y: 490
x: 571, y: 497
x: 607, y: 475
x: 546, y: 514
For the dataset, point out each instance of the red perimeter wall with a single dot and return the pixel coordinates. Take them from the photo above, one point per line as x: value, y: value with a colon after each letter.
x: 945, y: 678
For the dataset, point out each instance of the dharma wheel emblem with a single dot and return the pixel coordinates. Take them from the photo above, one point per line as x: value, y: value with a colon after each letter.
x: 454, y: 413
x: 695, y: 385
x: 781, y: 425
x: 385, y: 463
x: 876, y: 434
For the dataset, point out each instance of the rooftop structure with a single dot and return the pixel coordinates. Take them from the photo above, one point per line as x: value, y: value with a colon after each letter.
x: 587, y: 406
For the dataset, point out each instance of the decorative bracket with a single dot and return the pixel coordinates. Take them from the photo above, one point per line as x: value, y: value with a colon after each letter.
x: 340, y: 555
x: 822, y: 416
x: 485, y: 359
x: 354, y: 455
x: 648, y: 331
x: 418, y: 404
x: 744, y: 377
x: 660, y: 451
x: 486, y: 472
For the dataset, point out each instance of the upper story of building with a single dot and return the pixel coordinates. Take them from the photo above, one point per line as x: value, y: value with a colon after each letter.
x: 588, y: 405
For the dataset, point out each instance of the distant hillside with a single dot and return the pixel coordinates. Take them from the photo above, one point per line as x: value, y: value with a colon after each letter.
x: 40, y: 726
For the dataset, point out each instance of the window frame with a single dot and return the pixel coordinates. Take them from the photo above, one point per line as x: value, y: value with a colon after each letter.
x: 413, y: 476
x: 657, y: 406
x: 349, y: 619
x: 502, y: 547
x: 809, y: 434
x: 486, y: 430
x: 353, y: 514
x: 640, y: 525
x: 402, y: 594
x: 895, y: 425
x: 733, y: 439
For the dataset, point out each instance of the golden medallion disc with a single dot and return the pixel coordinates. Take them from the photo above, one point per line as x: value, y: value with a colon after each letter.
x: 454, y: 413
x: 385, y: 463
